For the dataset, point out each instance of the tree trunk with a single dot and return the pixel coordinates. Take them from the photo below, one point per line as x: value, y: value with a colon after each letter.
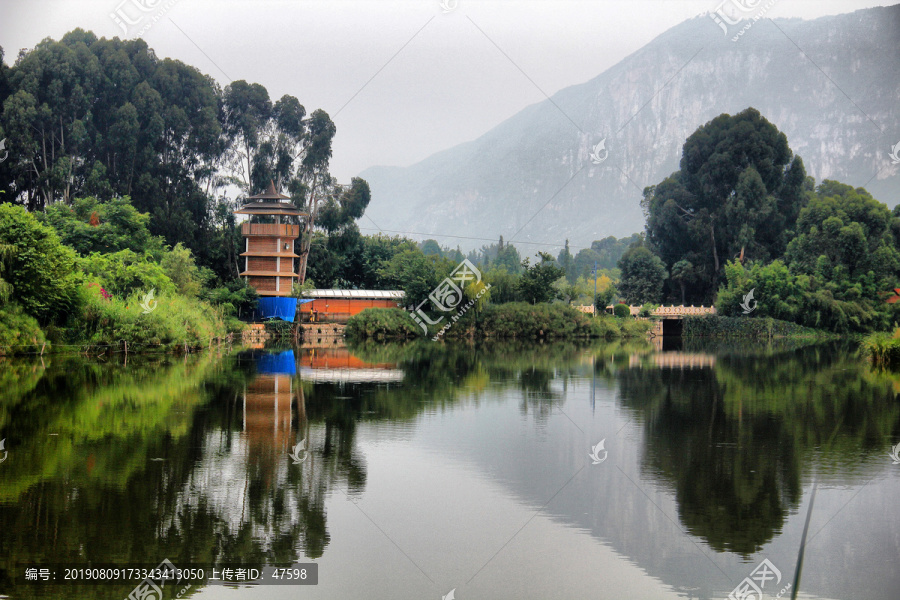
x: 306, y: 240
x: 712, y: 235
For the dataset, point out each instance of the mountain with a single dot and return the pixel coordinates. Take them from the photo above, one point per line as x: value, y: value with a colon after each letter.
x: 831, y: 85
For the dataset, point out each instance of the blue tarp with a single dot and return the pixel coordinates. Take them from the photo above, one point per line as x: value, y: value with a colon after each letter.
x: 274, y: 306
x: 279, y: 363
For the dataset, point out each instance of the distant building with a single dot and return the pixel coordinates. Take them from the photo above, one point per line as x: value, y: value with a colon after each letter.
x: 336, y: 306
x: 269, y: 243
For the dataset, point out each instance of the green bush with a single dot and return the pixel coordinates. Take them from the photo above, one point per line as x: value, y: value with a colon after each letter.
x: 173, y: 321
x: 382, y: 323
x: 520, y: 320
x: 622, y: 311
x: 125, y: 272
x: 19, y: 332
x: 40, y: 269
x: 647, y: 309
x: 512, y: 320
x: 716, y: 326
x: 883, y: 349
x: 635, y: 328
x: 279, y: 328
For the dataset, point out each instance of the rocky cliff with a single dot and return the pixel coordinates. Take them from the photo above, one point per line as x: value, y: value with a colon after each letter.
x: 574, y: 166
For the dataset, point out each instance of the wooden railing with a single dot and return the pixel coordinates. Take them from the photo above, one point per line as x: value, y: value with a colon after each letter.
x: 272, y: 229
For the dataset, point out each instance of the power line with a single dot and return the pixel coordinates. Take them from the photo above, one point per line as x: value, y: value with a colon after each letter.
x: 466, y: 237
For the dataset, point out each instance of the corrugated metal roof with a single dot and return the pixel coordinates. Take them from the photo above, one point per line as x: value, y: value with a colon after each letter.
x: 361, y: 294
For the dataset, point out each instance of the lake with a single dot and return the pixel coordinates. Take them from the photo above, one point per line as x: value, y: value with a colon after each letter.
x: 502, y: 471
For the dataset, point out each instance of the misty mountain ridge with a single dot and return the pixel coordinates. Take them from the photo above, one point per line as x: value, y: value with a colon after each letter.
x: 835, y: 100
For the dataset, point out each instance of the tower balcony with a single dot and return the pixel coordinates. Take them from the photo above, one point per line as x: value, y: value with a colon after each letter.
x: 270, y: 230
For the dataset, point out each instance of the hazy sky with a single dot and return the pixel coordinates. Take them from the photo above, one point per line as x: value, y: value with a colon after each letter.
x: 401, y: 79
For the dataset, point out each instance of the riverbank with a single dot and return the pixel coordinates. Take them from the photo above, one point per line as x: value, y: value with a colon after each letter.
x: 882, y: 349
x: 714, y: 326
x: 169, y: 323
x: 512, y: 320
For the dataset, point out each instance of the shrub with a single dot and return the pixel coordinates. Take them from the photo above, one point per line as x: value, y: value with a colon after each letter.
x: 40, y: 270
x: 647, y: 310
x: 125, y: 272
x: 635, y: 328
x: 529, y: 321
x: 19, y: 332
x: 622, y: 310
x: 883, y: 349
x: 382, y: 323
x: 722, y: 327
x: 173, y: 322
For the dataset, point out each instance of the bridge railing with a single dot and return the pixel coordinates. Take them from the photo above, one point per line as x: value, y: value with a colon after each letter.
x: 683, y: 311
x: 673, y: 311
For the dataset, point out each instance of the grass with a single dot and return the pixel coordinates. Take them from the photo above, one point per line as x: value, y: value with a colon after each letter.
x: 174, y: 321
x: 883, y: 349
x: 715, y: 326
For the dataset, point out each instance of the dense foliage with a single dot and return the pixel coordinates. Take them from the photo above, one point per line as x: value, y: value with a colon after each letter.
x: 738, y: 193
x: 714, y: 326
x: 512, y: 320
x: 742, y: 225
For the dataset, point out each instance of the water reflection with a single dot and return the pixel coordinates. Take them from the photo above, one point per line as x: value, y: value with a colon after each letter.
x: 711, y: 451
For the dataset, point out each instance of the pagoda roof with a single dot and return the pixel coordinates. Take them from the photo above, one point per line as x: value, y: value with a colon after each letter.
x: 270, y: 194
x: 270, y: 208
x: 269, y: 203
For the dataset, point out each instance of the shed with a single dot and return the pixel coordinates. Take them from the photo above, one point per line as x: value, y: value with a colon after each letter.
x: 336, y: 306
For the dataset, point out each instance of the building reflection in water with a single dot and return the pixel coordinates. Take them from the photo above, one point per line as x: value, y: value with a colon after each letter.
x: 338, y: 365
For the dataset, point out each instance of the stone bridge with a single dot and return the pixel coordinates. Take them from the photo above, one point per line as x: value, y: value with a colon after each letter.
x: 668, y: 319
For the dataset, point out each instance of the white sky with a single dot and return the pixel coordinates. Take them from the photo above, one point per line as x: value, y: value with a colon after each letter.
x: 396, y: 95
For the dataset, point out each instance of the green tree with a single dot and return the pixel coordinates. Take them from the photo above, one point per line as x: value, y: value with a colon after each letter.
x: 605, y: 297
x: 683, y: 274
x: 643, y: 275
x: 125, y: 272
x: 609, y: 250
x: 537, y: 281
x: 737, y: 194
x: 179, y: 266
x: 504, y: 285
x: 567, y: 263
x: 844, y: 234
x: 430, y: 248
x: 414, y: 273
x: 89, y: 225
x: 374, y: 251
x: 585, y: 261
x: 39, y: 268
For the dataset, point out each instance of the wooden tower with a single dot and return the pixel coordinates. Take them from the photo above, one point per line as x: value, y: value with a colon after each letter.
x: 269, y: 243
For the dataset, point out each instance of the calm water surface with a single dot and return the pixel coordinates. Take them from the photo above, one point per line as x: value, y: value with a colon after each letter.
x: 426, y: 469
